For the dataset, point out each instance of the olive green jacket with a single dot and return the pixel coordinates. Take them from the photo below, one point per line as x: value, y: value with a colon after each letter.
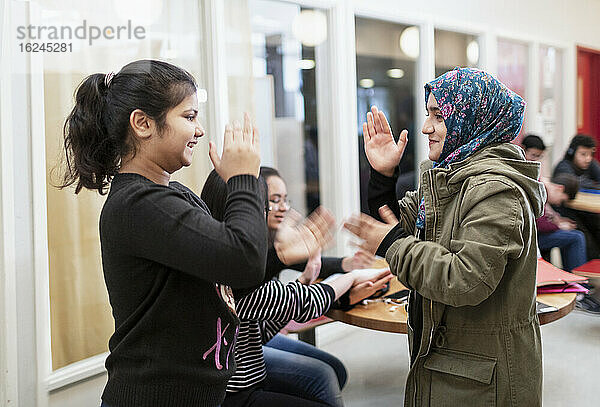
x: 475, y: 269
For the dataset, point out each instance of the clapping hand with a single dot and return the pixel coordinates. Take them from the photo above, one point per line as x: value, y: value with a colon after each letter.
x: 297, y: 239
x: 241, y: 151
x: 360, y: 260
x: 370, y: 230
x: 383, y: 153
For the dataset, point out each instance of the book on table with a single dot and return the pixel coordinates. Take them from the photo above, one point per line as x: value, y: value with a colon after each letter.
x: 548, y: 274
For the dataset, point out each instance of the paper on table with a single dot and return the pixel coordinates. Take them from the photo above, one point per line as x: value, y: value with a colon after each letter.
x: 547, y: 274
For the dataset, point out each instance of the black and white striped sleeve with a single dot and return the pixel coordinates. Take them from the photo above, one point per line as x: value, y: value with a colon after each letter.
x: 275, y: 301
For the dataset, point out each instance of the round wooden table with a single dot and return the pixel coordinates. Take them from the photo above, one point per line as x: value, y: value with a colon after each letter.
x: 585, y: 201
x: 390, y: 317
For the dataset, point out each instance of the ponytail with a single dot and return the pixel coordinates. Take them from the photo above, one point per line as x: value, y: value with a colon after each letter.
x: 91, y: 157
x: 97, y: 134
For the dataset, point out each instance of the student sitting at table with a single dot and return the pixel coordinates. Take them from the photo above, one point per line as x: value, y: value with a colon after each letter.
x: 553, y: 229
x: 534, y: 148
x: 579, y: 161
x: 557, y: 231
x: 265, y: 309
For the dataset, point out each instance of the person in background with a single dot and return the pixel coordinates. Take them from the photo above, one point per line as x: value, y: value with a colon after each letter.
x: 312, y: 364
x: 534, y: 147
x: 300, y: 378
x: 579, y: 161
x: 553, y: 229
x: 556, y: 231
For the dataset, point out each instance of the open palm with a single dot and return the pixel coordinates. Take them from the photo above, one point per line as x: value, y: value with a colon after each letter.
x: 383, y: 153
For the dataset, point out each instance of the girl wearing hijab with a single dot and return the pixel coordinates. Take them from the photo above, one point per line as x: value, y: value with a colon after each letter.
x: 464, y: 243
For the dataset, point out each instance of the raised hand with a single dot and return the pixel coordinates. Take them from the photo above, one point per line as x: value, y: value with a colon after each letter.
x: 241, y: 151
x: 297, y: 240
x: 383, y: 153
x: 360, y: 260
x: 371, y: 231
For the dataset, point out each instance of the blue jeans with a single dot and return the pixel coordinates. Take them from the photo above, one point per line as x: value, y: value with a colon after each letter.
x: 297, y: 368
x: 571, y: 244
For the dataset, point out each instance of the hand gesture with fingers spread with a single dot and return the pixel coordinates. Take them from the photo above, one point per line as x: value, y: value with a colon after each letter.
x: 371, y: 231
x: 298, y: 239
x: 383, y: 153
x: 360, y: 260
x: 241, y: 150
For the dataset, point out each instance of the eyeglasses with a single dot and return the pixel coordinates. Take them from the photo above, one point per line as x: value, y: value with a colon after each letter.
x: 279, y: 204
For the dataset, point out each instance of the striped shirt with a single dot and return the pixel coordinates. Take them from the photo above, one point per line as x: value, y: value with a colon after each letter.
x: 263, y: 313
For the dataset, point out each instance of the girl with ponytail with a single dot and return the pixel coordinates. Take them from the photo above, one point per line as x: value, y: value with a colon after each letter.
x: 168, y: 265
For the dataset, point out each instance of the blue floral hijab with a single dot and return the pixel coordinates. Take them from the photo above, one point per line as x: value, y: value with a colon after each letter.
x: 478, y: 111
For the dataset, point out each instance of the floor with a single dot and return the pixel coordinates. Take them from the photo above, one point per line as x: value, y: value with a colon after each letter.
x: 377, y: 362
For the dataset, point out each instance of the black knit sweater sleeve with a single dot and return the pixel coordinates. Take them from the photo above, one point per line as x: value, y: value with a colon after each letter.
x: 166, y: 229
x: 382, y: 191
x: 329, y: 265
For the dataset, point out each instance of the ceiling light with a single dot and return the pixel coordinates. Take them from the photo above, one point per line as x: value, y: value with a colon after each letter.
x: 366, y: 83
x: 306, y: 64
x: 395, y: 73
x: 409, y: 41
x: 310, y: 27
x: 473, y: 52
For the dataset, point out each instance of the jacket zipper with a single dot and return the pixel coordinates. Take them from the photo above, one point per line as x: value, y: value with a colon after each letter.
x: 432, y: 330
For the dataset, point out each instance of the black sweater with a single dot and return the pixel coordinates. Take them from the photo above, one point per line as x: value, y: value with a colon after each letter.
x: 166, y: 262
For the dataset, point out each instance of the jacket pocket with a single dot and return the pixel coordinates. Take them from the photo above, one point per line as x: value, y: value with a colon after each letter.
x: 461, y: 379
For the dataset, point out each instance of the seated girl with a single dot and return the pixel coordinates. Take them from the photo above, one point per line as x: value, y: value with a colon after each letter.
x: 267, y: 308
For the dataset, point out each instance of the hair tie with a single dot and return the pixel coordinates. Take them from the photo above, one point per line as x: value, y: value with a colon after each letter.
x: 108, y: 78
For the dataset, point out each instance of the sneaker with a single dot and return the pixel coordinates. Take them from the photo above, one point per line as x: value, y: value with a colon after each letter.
x: 588, y: 304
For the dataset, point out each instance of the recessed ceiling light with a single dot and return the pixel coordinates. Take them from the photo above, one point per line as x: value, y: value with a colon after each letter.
x: 306, y: 64
x: 366, y: 83
x: 395, y: 73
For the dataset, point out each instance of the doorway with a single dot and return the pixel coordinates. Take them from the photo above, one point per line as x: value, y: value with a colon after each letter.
x: 588, y: 93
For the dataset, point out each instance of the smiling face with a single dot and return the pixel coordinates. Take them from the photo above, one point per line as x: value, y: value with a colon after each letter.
x: 434, y: 128
x: 175, y: 144
x: 277, y: 202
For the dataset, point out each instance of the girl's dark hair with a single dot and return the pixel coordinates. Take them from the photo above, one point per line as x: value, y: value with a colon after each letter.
x: 267, y: 172
x: 580, y: 140
x: 533, y: 141
x: 214, y: 194
x: 570, y: 182
x: 97, y: 133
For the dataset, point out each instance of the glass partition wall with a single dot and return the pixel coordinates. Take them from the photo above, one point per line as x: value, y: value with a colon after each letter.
x: 271, y: 73
x: 80, y: 314
x: 386, y: 69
